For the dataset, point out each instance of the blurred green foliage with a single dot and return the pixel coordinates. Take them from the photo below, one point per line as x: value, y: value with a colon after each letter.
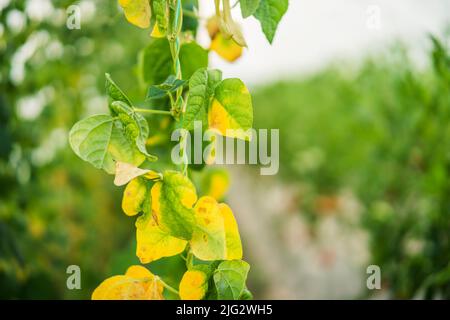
x: 54, y: 209
x: 382, y: 131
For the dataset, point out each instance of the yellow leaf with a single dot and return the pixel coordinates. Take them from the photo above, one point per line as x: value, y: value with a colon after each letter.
x: 138, y: 272
x: 216, y: 183
x: 193, y: 285
x: 228, y: 49
x: 208, y: 238
x: 221, y: 121
x: 233, y: 239
x: 138, y: 283
x: 172, y: 201
x: 153, y: 243
x: 137, y: 12
x: 231, y: 112
x: 126, y: 172
x: 156, y: 33
x: 134, y: 197
x: 152, y: 175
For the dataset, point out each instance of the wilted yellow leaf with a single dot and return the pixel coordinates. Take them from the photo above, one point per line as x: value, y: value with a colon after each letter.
x: 193, y: 285
x: 208, y: 239
x: 126, y: 172
x: 137, y: 12
x: 138, y: 283
x: 233, y: 239
x: 134, y: 196
x: 153, y: 243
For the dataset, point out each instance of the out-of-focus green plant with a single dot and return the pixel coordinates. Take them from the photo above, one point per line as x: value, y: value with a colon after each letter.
x: 381, y: 131
x: 54, y: 209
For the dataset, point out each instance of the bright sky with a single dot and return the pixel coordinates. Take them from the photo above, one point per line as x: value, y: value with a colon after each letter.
x: 314, y: 32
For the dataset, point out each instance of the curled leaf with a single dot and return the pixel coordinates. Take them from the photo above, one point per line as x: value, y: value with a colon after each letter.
x: 114, y: 92
x: 134, y: 125
x: 126, y: 172
x: 135, y: 196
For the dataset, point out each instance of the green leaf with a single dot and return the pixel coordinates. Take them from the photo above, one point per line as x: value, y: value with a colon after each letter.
x: 135, y: 125
x: 162, y: 90
x: 155, y: 62
x: 269, y: 14
x: 161, y: 13
x: 114, y: 92
x: 201, y: 90
x: 231, y: 109
x: 156, y: 65
x: 246, y: 295
x: 248, y: 7
x: 100, y: 140
x: 190, y: 23
x: 192, y: 58
x: 172, y: 201
x: 229, y: 278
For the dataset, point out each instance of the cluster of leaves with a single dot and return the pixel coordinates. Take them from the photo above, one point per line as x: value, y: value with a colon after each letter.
x: 173, y: 220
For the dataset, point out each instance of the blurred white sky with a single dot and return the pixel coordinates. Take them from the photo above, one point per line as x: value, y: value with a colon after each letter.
x: 313, y: 32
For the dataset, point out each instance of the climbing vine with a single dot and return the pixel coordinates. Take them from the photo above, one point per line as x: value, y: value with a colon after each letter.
x: 171, y: 218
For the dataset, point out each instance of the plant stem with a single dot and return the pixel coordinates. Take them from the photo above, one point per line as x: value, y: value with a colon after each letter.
x: 226, y: 10
x: 170, y: 288
x: 190, y: 13
x: 163, y: 112
x: 189, y: 259
x: 177, y: 105
x: 217, y: 4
